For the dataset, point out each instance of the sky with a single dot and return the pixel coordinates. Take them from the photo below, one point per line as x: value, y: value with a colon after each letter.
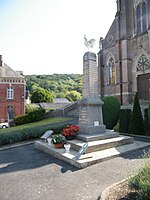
x: 47, y: 36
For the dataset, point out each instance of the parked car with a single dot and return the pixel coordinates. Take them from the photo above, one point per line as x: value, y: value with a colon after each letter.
x: 4, y: 125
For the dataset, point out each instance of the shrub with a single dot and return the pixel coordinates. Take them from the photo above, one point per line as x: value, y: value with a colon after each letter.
x: 136, y: 123
x: 30, y: 108
x: 22, y: 119
x: 52, y: 109
x: 28, y: 133
x: 141, y: 183
x: 111, y: 108
x: 35, y: 115
x: 146, y: 122
x: 124, y: 120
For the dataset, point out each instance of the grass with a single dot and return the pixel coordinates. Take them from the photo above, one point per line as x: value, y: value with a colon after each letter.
x: 31, y: 130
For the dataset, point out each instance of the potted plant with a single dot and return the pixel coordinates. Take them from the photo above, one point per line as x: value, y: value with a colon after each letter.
x: 58, y: 140
x: 70, y: 132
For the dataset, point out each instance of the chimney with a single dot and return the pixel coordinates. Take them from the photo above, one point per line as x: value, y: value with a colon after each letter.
x: 1, y: 61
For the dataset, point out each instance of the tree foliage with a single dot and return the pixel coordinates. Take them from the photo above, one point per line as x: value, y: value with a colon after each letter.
x: 41, y: 95
x: 59, y: 85
x: 73, y: 96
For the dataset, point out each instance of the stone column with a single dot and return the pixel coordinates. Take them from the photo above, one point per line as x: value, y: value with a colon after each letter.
x: 90, y: 112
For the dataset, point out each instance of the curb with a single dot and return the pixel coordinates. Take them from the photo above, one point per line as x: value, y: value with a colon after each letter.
x: 10, y: 146
x: 104, y: 193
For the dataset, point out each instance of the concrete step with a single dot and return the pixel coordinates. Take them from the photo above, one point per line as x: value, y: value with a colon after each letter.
x: 89, y: 158
x: 99, y: 145
x: 88, y: 138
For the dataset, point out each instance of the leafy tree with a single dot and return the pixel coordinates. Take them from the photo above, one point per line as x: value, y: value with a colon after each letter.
x: 41, y: 95
x: 73, y: 96
x: 136, y: 124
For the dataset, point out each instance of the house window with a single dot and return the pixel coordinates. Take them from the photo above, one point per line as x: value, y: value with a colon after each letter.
x: 112, y: 71
x: 10, y: 92
x: 141, y: 18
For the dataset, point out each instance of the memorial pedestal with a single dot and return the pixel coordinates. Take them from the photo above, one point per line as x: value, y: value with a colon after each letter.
x: 90, y: 117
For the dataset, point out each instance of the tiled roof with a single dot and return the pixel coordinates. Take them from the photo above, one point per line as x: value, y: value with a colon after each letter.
x: 6, y: 71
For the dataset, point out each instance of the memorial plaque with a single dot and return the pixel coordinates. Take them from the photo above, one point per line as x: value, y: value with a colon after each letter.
x: 82, y: 150
x: 46, y: 135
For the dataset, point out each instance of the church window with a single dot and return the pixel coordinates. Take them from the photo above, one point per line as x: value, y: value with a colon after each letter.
x: 143, y: 63
x: 144, y: 25
x: 10, y: 92
x: 141, y: 18
x: 112, y: 71
x: 138, y: 18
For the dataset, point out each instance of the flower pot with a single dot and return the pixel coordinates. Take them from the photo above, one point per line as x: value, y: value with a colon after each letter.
x: 70, y: 137
x: 59, y: 145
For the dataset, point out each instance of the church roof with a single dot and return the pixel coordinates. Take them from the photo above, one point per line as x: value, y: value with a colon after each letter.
x: 6, y: 71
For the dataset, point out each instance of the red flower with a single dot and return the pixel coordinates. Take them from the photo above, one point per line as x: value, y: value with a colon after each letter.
x: 70, y: 130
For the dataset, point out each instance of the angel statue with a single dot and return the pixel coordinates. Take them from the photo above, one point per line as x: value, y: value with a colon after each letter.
x: 89, y: 44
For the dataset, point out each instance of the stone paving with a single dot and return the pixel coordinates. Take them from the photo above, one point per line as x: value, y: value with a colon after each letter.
x: 27, y: 173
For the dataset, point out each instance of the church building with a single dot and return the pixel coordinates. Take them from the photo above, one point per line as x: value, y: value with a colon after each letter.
x: 12, y: 93
x: 124, y: 56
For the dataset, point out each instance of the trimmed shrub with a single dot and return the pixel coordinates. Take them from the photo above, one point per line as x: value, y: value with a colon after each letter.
x: 136, y: 123
x: 35, y: 115
x: 111, y: 108
x: 22, y: 119
x: 28, y: 133
x: 141, y: 183
x: 146, y: 122
x: 124, y: 120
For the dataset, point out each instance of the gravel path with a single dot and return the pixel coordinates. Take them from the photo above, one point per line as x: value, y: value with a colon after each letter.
x: 28, y: 174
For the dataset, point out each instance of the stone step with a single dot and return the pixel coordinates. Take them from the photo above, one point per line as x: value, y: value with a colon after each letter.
x: 88, y: 138
x: 101, y: 144
x: 89, y: 158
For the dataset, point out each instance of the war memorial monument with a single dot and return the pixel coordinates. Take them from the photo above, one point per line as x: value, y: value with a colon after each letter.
x: 94, y: 143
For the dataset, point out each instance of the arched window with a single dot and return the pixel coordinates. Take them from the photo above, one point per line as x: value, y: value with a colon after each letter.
x: 10, y: 92
x: 112, y: 71
x: 141, y: 17
x: 144, y: 24
x: 138, y: 19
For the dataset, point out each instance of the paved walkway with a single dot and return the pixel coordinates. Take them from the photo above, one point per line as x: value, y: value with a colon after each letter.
x: 28, y: 174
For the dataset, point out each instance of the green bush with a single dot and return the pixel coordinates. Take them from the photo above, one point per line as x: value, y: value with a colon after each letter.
x: 27, y: 133
x: 35, y: 115
x: 146, y: 122
x: 22, y: 119
x: 124, y: 120
x: 111, y: 108
x: 136, y: 123
x: 30, y: 108
x: 141, y: 183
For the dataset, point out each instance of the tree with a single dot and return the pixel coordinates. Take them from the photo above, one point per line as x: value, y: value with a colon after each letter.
x: 41, y: 95
x: 136, y: 124
x: 73, y: 96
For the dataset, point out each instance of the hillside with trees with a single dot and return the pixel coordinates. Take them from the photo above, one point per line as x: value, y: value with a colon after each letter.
x: 58, y: 85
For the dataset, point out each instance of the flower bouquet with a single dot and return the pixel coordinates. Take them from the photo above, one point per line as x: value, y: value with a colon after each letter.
x: 70, y: 132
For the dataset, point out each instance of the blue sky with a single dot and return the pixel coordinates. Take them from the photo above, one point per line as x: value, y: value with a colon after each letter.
x: 46, y: 36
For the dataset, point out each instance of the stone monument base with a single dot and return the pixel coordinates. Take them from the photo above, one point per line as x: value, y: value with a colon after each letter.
x: 88, y: 130
x: 98, y: 136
